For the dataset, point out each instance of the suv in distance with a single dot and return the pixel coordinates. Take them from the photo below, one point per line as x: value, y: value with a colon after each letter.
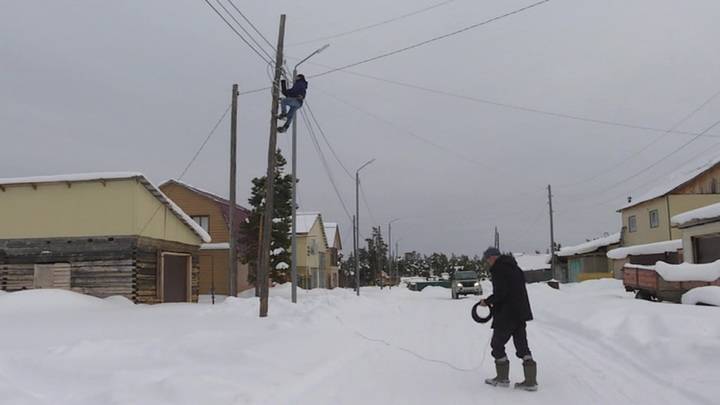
x: 464, y: 283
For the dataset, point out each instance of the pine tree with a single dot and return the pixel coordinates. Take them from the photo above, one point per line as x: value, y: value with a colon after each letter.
x: 281, y: 226
x: 375, y: 258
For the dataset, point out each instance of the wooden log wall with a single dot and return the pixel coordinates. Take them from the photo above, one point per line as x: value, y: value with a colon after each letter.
x: 147, y: 261
x: 101, y: 267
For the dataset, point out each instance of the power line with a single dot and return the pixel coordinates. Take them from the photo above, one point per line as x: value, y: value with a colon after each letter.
x: 252, y: 25
x: 416, y: 45
x: 249, y: 35
x: 433, y: 39
x: 515, y: 106
x: 192, y: 160
x: 657, y: 162
x: 378, y: 24
x: 409, y: 132
x: 237, y: 33
x: 324, y: 162
x: 207, y: 139
x: 332, y: 150
x: 650, y: 144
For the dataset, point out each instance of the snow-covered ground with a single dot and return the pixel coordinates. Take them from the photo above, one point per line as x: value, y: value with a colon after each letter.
x: 594, y: 344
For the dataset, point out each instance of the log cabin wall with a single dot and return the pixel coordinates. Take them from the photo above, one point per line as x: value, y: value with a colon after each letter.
x: 147, y: 254
x: 99, y: 266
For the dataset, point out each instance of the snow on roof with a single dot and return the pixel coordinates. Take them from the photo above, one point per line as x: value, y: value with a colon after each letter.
x: 331, y: 230
x: 668, y: 246
x: 215, y: 246
x: 590, y: 246
x: 708, y: 272
x: 305, y: 221
x: 674, y: 181
x: 530, y: 262
x: 70, y: 178
x: 699, y: 215
x: 101, y: 176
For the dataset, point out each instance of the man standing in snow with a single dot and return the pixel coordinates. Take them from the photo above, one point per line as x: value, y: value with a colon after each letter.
x: 511, y: 310
x: 293, y: 100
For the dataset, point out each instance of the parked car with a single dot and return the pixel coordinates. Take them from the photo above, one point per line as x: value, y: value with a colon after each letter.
x: 465, y: 283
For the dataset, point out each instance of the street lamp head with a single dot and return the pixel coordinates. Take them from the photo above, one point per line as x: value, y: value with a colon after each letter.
x: 324, y: 47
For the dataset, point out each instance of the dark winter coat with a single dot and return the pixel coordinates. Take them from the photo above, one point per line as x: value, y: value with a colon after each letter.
x: 298, y: 90
x: 510, y: 304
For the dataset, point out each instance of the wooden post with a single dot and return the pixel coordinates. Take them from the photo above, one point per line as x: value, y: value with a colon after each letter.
x: 257, y: 259
x: 264, y: 259
x: 233, y: 270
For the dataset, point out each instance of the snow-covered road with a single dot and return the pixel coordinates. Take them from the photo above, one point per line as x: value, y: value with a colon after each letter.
x: 594, y: 344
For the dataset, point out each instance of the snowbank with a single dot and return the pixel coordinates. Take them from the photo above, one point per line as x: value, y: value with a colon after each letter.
x: 48, y: 301
x: 689, y: 272
x: 647, y: 249
x: 703, y: 213
x: 590, y: 246
x: 709, y: 295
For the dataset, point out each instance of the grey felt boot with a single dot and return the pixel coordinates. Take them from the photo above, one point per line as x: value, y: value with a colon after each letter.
x: 502, y: 367
x: 530, y: 370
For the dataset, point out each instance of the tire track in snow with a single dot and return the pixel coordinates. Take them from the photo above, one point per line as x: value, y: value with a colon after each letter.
x: 598, y: 350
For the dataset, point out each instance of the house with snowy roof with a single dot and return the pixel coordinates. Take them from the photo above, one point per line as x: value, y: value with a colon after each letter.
x: 332, y: 233
x: 588, y: 260
x: 313, y: 252
x: 536, y: 267
x: 648, y: 235
x: 211, y: 212
x: 647, y: 219
x: 100, y: 234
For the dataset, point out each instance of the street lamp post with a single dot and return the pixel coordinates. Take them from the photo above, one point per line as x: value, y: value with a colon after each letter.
x: 293, y: 260
x: 357, y: 222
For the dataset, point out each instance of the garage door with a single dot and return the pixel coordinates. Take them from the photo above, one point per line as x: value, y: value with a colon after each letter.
x: 707, y: 249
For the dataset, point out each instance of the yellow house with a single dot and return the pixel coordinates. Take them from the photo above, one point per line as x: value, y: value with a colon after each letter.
x: 101, y: 234
x: 646, y: 219
x: 312, y: 253
x: 332, y: 233
x: 211, y: 211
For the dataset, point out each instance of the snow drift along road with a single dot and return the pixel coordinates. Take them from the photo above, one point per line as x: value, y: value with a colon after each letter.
x: 593, y: 342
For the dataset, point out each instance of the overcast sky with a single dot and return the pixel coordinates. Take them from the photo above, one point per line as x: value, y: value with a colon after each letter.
x: 137, y: 85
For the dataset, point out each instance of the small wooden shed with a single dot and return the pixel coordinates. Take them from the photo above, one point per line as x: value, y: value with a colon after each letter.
x: 101, y: 234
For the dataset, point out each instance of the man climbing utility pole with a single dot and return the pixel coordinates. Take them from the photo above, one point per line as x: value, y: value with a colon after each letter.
x: 264, y: 259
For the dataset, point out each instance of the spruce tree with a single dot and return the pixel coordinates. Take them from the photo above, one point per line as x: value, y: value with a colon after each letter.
x: 281, y: 224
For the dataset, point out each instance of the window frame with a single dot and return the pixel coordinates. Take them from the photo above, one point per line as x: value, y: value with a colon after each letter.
x: 207, y: 219
x: 632, y: 223
x: 657, y: 216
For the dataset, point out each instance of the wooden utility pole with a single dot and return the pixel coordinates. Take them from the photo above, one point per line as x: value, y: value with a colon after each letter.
x: 355, y: 255
x: 264, y: 259
x: 552, y: 237
x: 233, y: 271
x: 377, y: 255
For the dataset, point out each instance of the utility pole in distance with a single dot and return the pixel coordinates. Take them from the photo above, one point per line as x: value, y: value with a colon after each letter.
x: 357, y: 222
x: 355, y: 244
x: 264, y: 258
x: 552, y: 236
x: 233, y: 270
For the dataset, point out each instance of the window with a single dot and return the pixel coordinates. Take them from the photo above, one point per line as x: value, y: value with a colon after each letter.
x: 203, y: 221
x: 654, y: 219
x: 632, y: 223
